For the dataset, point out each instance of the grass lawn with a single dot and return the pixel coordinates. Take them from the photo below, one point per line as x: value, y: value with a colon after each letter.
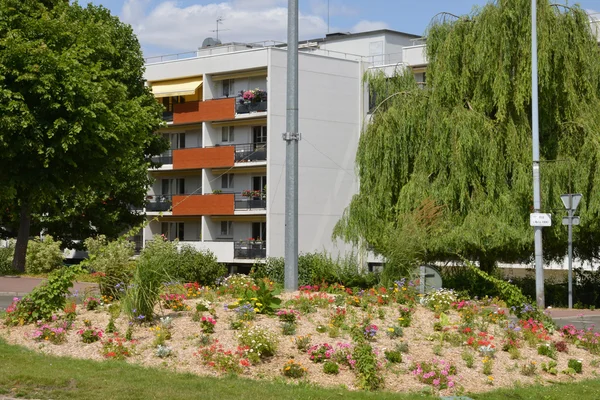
x: 26, y: 374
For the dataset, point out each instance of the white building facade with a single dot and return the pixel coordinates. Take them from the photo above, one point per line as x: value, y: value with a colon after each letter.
x: 221, y: 186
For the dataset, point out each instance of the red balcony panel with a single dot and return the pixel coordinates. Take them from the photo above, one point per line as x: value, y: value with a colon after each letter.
x: 200, y: 111
x: 208, y: 204
x: 210, y: 157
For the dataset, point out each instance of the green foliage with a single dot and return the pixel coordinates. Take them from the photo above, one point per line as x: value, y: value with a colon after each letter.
x: 112, y: 261
x: 43, y: 256
x: 77, y: 124
x: 47, y: 298
x: 331, y: 368
x: 6, y: 256
x: 367, y: 370
x: 262, y: 343
x: 264, y: 299
x: 197, y: 266
x: 157, y: 258
x: 393, y: 356
x: 576, y: 365
x: 463, y: 142
x: 319, y: 268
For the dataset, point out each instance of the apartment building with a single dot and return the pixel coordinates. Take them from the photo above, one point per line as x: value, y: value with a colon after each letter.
x: 221, y: 186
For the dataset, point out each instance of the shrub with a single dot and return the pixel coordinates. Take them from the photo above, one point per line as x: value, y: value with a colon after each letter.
x: 439, y: 373
x: 293, y: 369
x: 528, y: 369
x: 6, y: 257
x: 151, y: 271
x: 331, y: 368
x: 393, y: 356
x: 288, y: 328
x: 44, y: 300
x: 548, y: 350
x: 223, y: 360
x: 302, y: 342
x: 43, y: 256
x: 440, y: 300
x: 367, y: 368
x: 116, y: 348
x: 110, y: 262
x: 90, y: 335
x: 320, y: 352
x: 91, y: 303
x: 163, y: 351
x: 53, y: 334
x: 576, y: 365
x: 197, y: 266
x: 261, y: 343
x: 208, y: 324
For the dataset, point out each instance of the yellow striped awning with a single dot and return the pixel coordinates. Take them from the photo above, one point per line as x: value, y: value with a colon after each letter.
x: 179, y: 87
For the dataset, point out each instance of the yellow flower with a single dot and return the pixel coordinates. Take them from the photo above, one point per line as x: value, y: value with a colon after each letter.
x: 287, y: 368
x: 390, y: 329
x: 259, y: 304
x: 491, y: 378
x: 403, y: 288
x: 256, y: 310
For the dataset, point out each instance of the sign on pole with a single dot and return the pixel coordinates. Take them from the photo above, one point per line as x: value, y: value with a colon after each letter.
x: 540, y: 219
x: 570, y: 221
x: 571, y: 201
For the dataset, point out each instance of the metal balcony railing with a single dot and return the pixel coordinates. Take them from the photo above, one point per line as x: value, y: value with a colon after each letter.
x: 167, y: 116
x: 259, y: 106
x: 250, y: 249
x: 164, y: 158
x: 250, y: 152
x: 160, y: 202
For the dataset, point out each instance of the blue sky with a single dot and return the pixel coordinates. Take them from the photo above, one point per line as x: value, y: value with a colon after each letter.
x: 172, y: 26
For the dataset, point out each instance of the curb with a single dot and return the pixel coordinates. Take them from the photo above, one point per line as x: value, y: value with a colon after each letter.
x: 13, y: 294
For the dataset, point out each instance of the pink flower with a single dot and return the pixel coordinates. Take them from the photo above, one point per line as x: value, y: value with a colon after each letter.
x: 436, y: 382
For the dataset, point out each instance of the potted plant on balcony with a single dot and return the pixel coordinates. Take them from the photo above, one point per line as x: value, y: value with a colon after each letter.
x: 252, y: 194
x: 252, y: 100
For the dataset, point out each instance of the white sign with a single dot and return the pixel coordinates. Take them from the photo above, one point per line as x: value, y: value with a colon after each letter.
x: 540, y: 219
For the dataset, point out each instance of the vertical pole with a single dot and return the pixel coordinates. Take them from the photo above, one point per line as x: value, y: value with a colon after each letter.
x: 570, y: 277
x: 327, y: 16
x: 291, y: 152
x: 539, y: 261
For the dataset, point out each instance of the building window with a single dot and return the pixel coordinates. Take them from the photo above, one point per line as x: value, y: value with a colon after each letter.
x: 226, y: 229
x: 227, y: 181
x: 259, y: 134
x: 259, y: 230
x: 227, y: 134
x: 227, y: 85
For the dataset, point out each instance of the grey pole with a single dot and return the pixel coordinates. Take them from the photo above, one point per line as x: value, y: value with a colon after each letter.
x: 570, y: 276
x: 537, y: 203
x: 291, y: 137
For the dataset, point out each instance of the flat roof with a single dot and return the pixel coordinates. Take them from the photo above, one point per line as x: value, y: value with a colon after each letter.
x: 348, y: 35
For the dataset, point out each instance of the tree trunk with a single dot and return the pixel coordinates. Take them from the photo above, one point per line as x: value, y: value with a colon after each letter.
x: 22, y: 238
x: 487, y: 264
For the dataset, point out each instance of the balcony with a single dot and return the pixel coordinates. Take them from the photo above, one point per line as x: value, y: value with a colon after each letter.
x: 158, y: 203
x: 246, y: 201
x: 203, y: 157
x: 164, y: 158
x: 167, y: 116
x: 250, y: 249
x: 200, y: 111
x: 250, y: 152
x: 206, y: 204
x: 260, y: 106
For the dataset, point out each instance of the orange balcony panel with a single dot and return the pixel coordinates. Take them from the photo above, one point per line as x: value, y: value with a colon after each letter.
x: 200, y: 111
x: 211, y: 157
x: 207, y: 204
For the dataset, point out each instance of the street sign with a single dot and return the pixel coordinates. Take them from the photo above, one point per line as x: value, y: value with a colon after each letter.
x: 540, y: 219
x: 574, y: 197
x: 574, y: 221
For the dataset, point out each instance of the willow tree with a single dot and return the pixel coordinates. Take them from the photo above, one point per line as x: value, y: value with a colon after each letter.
x: 446, y: 170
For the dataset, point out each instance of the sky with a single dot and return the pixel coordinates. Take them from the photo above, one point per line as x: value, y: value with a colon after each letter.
x: 174, y: 26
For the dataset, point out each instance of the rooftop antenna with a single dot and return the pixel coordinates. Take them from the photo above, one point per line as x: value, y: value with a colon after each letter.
x: 219, y: 21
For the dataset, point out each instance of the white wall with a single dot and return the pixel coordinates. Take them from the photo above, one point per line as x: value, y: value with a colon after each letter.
x: 223, y: 63
x: 415, y: 55
x: 329, y: 119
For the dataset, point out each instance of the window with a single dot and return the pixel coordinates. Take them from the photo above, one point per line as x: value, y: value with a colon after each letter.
x: 180, y: 231
x: 227, y: 85
x: 182, y: 140
x: 259, y: 230
x: 226, y: 228
x: 227, y: 181
x: 172, y: 230
x: 227, y: 134
x: 169, y: 102
x: 181, y: 186
x: 259, y: 134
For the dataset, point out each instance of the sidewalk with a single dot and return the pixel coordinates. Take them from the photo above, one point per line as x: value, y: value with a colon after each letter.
x: 19, y: 286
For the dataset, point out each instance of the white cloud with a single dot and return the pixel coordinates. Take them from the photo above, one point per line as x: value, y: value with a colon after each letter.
x: 336, y: 7
x: 169, y: 27
x: 364, y: 25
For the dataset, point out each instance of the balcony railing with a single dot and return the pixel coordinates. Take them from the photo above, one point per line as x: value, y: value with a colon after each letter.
x: 164, y: 158
x: 167, y: 116
x: 260, y: 106
x: 250, y: 203
x: 160, y: 202
x: 250, y: 152
x: 250, y: 249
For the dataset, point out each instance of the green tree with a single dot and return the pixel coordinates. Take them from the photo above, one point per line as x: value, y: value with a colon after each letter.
x: 464, y: 141
x: 76, y: 120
